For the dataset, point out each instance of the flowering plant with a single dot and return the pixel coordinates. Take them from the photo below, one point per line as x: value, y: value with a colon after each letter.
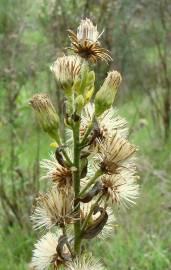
x: 93, y: 165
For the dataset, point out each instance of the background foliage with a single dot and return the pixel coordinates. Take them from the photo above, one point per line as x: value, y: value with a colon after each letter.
x: 32, y: 34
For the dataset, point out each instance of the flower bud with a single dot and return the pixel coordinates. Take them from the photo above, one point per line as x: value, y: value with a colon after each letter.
x: 46, y: 114
x: 84, y: 83
x: 79, y: 103
x: 106, y: 95
x: 66, y: 69
x: 89, y: 90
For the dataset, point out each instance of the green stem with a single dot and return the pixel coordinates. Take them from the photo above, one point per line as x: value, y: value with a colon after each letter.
x: 97, y: 174
x: 76, y: 174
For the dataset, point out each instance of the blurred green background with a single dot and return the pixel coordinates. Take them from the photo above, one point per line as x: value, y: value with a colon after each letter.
x: 137, y: 32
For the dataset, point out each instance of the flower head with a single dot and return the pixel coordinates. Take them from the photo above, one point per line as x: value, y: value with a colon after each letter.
x: 85, y: 263
x: 108, y: 123
x: 53, y: 208
x: 46, y: 114
x: 85, y: 43
x: 66, y: 69
x: 106, y: 95
x: 113, y: 79
x: 59, y: 174
x: 116, y: 153
x: 45, y: 253
x: 87, y: 31
x: 121, y: 188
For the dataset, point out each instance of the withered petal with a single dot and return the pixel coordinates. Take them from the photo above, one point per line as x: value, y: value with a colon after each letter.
x: 94, y: 229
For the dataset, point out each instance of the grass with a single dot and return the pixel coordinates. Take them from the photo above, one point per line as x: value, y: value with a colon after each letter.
x: 142, y: 239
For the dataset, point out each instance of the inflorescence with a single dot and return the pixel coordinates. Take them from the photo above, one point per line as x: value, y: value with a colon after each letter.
x: 93, y: 166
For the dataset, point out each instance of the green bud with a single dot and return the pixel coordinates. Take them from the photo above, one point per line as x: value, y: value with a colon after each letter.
x: 46, y: 114
x: 106, y: 95
x: 89, y: 89
x: 91, y: 77
x: 79, y: 104
x: 88, y: 95
x: 77, y: 84
x: 85, y: 79
x: 80, y: 80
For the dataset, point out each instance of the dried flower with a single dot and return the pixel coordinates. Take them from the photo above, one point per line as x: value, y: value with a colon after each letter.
x: 85, y: 263
x: 116, y: 153
x: 108, y: 123
x: 44, y: 253
x: 46, y: 114
x: 106, y: 95
x: 59, y: 174
x: 53, y: 208
x: 121, y: 188
x: 85, y: 43
x: 66, y: 69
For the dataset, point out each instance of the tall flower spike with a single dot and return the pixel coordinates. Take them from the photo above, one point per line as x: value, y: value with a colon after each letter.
x: 46, y: 114
x: 61, y: 176
x: 66, y: 68
x: 106, y: 95
x: 116, y: 153
x: 85, y: 263
x: 53, y: 209
x: 85, y: 43
x: 45, y: 254
x: 121, y: 188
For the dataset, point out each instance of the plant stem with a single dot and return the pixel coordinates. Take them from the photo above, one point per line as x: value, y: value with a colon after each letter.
x: 76, y: 174
x: 67, y: 243
x: 97, y: 174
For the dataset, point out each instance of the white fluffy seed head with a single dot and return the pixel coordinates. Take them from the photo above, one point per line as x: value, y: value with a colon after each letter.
x: 59, y: 175
x: 122, y: 188
x: 53, y: 208
x: 115, y: 153
x: 109, y: 122
x: 44, y: 251
x: 85, y: 263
